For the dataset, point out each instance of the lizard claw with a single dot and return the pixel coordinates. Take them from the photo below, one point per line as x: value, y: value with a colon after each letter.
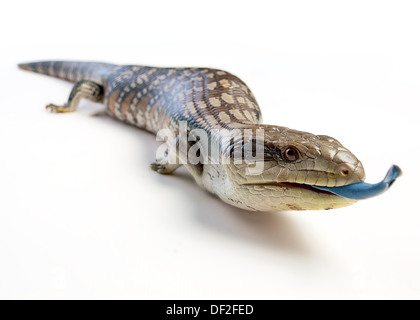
x: 57, y: 109
x: 49, y: 107
x: 158, y: 167
x: 163, y: 168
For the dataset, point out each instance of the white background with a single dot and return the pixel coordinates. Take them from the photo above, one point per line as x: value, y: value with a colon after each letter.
x: 83, y: 216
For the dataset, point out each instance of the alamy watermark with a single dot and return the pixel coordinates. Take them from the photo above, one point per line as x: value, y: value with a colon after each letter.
x: 197, y: 146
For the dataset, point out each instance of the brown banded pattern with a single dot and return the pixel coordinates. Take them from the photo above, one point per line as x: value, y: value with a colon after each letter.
x: 155, y: 98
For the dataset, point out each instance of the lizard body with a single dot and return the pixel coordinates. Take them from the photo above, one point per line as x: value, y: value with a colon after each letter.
x: 294, y: 163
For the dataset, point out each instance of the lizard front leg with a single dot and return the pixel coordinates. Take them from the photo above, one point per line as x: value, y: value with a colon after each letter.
x: 81, y: 90
x: 173, y: 158
x: 169, y: 162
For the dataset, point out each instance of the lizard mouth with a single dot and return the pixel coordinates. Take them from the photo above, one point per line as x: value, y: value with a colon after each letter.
x: 355, y: 191
x: 363, y: 190
x: 291, y: 185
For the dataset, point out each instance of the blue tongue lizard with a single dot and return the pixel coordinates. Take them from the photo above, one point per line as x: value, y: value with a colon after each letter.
x: 363, y: 190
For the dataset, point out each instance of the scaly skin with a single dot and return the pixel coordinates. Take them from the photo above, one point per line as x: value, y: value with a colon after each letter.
x: 208, y: 99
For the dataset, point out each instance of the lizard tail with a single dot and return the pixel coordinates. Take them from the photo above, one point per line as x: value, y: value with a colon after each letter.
x: 72, y: 71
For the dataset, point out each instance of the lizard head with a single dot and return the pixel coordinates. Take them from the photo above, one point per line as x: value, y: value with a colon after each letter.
x: 280, y: 169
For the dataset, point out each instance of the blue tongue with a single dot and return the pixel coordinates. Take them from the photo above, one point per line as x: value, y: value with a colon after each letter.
x: 363, y: 190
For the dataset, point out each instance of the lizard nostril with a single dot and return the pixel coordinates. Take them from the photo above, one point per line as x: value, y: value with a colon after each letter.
x: 344, y: 171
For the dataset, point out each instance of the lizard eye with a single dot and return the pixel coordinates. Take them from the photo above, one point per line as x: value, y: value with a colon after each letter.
x: 291, y: 154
